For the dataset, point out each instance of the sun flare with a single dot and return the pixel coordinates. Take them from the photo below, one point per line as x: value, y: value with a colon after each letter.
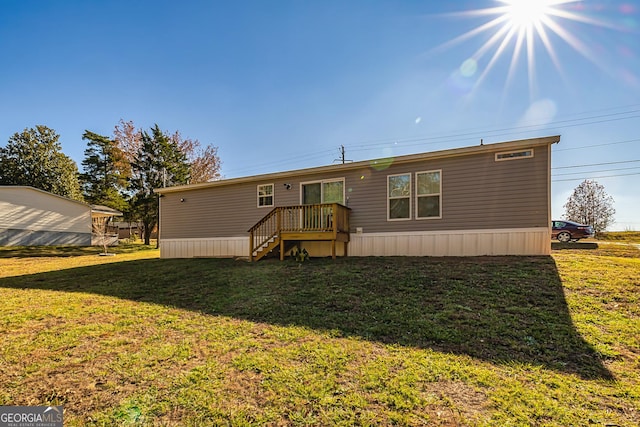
x: 525, y: 14
x: 521, y: 27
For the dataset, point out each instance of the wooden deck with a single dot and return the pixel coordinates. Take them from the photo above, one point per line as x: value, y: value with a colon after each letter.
x: 321, y: 222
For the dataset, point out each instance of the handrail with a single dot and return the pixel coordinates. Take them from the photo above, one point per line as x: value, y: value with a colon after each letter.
x: 323, y: 217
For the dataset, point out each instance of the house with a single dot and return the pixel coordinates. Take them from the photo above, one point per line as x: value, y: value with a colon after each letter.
x: 132, y: 230
x: 491, y: 199
x: 30, y: 216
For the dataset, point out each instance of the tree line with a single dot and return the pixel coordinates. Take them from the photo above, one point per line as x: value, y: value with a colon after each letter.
x: 119, y: 171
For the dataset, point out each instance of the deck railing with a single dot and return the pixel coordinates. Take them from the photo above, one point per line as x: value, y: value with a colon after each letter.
x: 318, y: 218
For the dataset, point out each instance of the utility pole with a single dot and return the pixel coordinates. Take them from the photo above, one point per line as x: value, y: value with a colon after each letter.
x: 342, y: 156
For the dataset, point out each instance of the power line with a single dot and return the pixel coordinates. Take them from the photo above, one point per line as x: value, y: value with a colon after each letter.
x: 308, y: 156
x: 473, y: 134
x: 342, y: 159
x: 595, y: 164
x: 597, y: 145
x: 599, y: 171
x: 594, y: 177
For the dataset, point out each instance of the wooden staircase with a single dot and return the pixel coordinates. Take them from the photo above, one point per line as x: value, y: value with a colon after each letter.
x: 287, y: 224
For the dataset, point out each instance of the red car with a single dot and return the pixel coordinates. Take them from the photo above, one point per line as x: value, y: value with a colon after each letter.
x: 569, y: 231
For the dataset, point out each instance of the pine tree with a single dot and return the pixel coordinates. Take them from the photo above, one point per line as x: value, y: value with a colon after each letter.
x: 204, y: 163
x: 158, y: 163
x: 103, y: 182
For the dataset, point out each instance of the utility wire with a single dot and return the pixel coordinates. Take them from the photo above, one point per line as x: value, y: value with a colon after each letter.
x: 474, y: 134
x: 598, y: 171
x: 596, y: 145
x: 580, y: 121
x: 595, y: 164
x: 594, y: 177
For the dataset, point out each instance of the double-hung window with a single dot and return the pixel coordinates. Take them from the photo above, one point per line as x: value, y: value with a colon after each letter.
x: 429, y: 194
x: 399, y: 197
x: 265, y: 195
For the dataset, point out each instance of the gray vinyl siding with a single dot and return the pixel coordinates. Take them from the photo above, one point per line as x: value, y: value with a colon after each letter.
x: 477, y: 193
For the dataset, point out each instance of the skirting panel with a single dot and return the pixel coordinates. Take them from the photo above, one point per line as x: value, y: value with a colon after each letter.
x: 516, y: 241
x: 221, y: 247
x: 513, y: 241
x: 12, y: 237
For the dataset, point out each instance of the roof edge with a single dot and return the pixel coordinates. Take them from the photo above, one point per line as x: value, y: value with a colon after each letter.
x: 452, y: 152
x: 105, y: 210
x: 28, y: 187
x: 93, y: 208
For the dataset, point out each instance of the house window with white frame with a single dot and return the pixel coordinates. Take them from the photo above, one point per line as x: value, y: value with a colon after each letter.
x: 265, y: 195
x: 429, y: 194
x: 514, y: 155
x: 326, y: 191
x: 399, y: 197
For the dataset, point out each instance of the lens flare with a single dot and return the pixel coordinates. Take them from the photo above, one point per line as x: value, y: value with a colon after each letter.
x: 520, y: 26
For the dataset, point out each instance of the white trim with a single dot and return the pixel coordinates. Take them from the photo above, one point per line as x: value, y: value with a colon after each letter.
x: 389, y: 198
x: 322, y: 182
x: 273, y: 195
x: 525, y: 156
x: 439, y: 194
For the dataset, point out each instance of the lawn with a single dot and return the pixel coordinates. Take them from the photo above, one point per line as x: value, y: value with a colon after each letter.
x: 137, y: 340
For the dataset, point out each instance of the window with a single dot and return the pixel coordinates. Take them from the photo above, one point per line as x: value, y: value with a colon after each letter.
x: 429, y: 194
x: 330, y: 191
x: 513, y: 155
x: 265, y: 195
x: 399, y: 197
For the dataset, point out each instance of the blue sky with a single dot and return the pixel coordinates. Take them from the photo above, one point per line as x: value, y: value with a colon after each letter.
x: 280, y: 85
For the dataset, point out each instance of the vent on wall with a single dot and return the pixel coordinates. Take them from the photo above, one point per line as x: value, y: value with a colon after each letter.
x: 514, y: 155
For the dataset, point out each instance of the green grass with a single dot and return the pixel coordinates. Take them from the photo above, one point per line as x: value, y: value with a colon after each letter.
x: 136, y: 340
x: 624, y: 236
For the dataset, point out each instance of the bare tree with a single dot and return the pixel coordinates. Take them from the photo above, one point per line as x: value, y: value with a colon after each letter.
x: 590, y: 204
x: 99, y: 226
x: 129, y: 140
x: 204, y: 162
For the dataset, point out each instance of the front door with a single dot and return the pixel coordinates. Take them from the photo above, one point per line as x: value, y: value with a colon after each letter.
x: 315, y: 193
x: 312, y: 193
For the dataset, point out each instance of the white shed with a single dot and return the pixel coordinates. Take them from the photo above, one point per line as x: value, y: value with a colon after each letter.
x: 29, y: 216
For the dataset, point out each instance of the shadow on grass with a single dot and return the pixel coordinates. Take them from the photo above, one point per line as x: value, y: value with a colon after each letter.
x: 574, y: 245
x: 499, y: 309
x: 67, y: 251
